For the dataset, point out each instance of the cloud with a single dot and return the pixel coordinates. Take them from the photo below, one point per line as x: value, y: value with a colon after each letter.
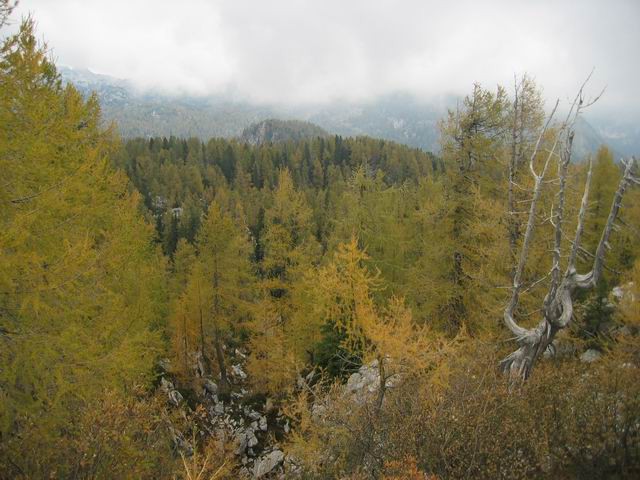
x: 300, y: 51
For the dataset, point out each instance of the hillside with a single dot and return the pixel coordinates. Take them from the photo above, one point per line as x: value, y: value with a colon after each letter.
x: 292, y: 303
x: 274, y: 130
x: 148, y: 114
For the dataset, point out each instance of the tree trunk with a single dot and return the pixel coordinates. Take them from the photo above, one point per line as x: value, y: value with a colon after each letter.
x: 205, y: 358
x: 382, y: 383
x: 217, y: 340
x: 224, y: 380
x: 513, y: 165
x: 558, y: 304
x: 186, y: 344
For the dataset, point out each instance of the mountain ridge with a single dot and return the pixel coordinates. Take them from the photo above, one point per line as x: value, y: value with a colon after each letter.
x: 398, y: 117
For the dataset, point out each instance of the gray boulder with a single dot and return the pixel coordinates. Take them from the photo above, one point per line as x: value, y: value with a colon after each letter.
x: 210, y: 387
x: 252, y: 441
x: 262, y: 424
x: 164, y: 364
x: 364, y: 383
x: 165, y: 385
x: 236, y: 371
x: 267, y: 464
x: 175, y: 397
x: 241, y: 443
x: 590, y: 356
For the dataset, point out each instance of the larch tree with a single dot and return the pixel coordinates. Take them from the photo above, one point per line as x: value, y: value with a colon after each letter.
x: 605, y: 177
x: 224, y: 251
x: 463, y: 244
x: 217, y: 295
x: 289, y: 248
x: 344, y: 305
x: 75, y: 319
x: 377, y: 214
x: 525, y: 118
x: 181, y: 267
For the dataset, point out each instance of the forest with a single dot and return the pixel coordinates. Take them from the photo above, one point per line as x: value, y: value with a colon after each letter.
x: 317, y: 308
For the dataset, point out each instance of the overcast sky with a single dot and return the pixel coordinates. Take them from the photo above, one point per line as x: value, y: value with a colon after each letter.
x: 315, y: 51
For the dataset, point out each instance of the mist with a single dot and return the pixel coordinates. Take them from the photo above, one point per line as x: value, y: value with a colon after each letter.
x: 299, y: 52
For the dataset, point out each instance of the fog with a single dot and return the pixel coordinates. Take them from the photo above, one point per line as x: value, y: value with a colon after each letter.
x: 296, y: 52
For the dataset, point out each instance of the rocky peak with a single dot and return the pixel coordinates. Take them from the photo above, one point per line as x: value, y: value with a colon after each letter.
x: 273, y: 131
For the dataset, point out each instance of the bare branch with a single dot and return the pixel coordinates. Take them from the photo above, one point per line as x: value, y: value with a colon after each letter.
x: 536, y: 149
x: 563, y: 167
x: 613, y: 214
x: 581, y: 217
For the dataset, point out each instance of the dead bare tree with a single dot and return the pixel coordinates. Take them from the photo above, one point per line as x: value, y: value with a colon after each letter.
x: 557, y: 308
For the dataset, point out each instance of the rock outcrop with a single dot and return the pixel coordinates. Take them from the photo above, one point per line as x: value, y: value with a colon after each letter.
x: 268, y: 463
x: 365, y: 383
x: 233, y: 415
x: 273, y: 131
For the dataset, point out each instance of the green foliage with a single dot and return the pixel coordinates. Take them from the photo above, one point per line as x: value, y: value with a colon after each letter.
x: 274, y: 130
x: 289, y: 249
x: 462, y: 230
x: 330, y: 354
x: 187, y: 174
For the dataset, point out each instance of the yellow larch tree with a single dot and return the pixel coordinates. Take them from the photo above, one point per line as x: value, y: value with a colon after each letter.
x: 289, y: 249
x: 75, y: 317
x: 217, y: 295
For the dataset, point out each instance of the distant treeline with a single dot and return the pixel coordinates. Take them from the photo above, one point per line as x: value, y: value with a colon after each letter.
x: 178, y: 177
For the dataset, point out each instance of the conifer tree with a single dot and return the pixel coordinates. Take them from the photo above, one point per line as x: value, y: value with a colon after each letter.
x: 75, y: 317
x: 379, y: 216
x: 525, y: 116
x: 289, y: 248
x: 605, y: 177
x: 344, y: 305
x: 463, y: 241
x: 217, y: 294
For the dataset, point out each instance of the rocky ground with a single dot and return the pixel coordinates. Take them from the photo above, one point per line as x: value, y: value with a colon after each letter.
x: 255, y: 426
x: 251, y: 423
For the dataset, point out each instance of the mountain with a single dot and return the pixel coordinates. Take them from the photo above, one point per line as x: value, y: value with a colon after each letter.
x: 274, y: 130
x: 587, y: 140
x: 399, y: 117
x: 623, y: 136
x: 146, y: 114
x: 111, y: 91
